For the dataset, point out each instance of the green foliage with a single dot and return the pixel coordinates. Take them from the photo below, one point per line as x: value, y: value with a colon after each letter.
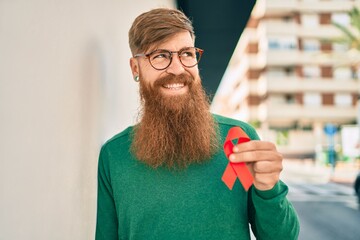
x: 282, y: 138
x: 255, y: 123
x: 351, y: 35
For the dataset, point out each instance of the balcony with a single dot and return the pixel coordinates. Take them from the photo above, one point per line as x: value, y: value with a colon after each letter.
x: 324, y: 6
x: 277, y: 27
x: 282, y: 57
x: 272, y: 7
x: 319, y: 32
x: 278, y: 112
x: 289, y: 57
x: 336, y: 59
x: 293, y: 84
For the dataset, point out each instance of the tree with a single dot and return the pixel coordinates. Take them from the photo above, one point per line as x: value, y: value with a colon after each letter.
x: 351, y: 37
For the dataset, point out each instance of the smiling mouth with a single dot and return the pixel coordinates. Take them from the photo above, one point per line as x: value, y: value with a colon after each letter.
x: 174, y: 86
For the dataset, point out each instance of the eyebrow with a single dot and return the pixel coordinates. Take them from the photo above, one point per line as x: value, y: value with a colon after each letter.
x: 157, y: 49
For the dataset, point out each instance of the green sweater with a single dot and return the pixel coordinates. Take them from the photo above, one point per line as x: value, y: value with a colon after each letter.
x: 136, y: 201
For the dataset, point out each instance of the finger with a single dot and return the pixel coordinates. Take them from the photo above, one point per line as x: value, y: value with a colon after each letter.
x: 267, y: 167
x: 250, y: 166
x: 254, y: 156
x: 254, y: 145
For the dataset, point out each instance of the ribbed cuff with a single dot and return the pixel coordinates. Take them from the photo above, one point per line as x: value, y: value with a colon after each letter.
x: 278, y: 189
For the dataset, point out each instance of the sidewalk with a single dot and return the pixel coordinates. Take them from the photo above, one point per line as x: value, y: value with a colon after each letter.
x: 308, y: 171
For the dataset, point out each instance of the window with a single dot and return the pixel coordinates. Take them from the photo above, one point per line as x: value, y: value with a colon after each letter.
x: 310, y: 20
x: 282, y: 42
x: 310, y: 45
x: 290, y: 99
x: 312, y: 99
x: 311, y: 72
x: 277, y: 99
x: 282, y: 99
x: 342, y: 73
x: 343, y: 99
x: 275, y: 72
x: 341, y: 18
x: 290, y: 71
x: 281, y: 72
x: 355, y: 74
x: 340, y: 47
x: 288, y: 19
x: 274, y: 44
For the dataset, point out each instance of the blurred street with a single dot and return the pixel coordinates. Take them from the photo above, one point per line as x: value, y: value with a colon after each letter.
x: 324, y: 199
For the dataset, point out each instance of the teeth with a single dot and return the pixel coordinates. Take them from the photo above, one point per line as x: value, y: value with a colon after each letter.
x: 174, y: 85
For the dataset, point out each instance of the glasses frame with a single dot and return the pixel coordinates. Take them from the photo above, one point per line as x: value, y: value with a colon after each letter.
x: 147, y: 55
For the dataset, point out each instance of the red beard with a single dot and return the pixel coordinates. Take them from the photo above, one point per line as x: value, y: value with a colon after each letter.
x: 174, y: 131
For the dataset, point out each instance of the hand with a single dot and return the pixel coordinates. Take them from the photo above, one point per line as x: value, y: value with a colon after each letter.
x: 263, y: 161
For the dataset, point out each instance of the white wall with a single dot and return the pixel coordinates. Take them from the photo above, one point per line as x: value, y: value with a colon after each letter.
x: 65, y: 87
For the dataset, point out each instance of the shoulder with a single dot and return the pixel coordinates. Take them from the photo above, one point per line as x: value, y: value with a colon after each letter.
x: 226, y: 123
x: 115, y: 149
x: 118, y: 140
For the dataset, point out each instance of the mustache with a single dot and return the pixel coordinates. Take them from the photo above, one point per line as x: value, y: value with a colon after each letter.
x: 170, y: 79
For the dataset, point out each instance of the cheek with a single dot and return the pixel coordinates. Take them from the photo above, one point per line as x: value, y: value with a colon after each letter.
x: 148, y: 75
x: 194, y: 72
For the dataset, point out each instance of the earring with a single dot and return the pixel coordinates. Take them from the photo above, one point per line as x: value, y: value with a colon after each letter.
x: 136, y: 79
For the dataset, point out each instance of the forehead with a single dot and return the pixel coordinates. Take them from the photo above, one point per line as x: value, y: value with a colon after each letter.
x: 175, y: 42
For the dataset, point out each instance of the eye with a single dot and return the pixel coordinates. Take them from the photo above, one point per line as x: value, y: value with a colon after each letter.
x: 160, y: 55
x: 188, y: 53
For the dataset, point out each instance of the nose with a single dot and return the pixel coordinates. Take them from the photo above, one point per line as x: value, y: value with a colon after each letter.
x: 175, y: 67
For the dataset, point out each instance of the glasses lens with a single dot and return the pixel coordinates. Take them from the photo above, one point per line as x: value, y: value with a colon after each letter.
x: 189, y: 57
x: 160, y: 59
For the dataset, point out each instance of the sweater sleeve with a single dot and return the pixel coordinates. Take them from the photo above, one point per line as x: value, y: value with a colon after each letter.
x: 106, y: 221
x: 271, y: 215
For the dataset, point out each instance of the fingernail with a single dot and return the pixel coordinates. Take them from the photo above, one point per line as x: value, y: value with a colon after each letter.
x: 232, y: 157
x: 235, y: 149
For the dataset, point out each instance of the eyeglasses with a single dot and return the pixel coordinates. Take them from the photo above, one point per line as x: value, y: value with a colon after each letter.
x: 161, y: 59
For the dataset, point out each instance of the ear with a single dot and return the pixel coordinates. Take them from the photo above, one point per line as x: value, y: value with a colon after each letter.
x: 134, y: 65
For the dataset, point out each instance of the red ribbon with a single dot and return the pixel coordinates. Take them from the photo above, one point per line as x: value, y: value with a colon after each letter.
x: 234, y: 170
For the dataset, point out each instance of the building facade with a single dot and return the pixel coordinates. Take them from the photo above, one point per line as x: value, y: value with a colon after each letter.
x: 287, y: 78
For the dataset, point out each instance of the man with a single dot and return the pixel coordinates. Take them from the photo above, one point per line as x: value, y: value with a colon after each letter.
x: 161, y: 179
